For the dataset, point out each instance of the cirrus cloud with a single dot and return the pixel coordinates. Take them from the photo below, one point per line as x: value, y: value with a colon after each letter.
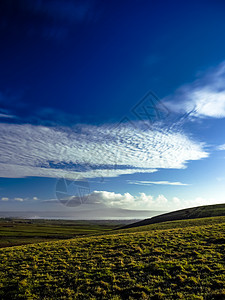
x: 92, y: 151
x: 205, y: 97
x: 165, y: 182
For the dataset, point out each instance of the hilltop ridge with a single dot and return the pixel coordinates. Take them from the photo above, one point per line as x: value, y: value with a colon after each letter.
x: 183, y: 214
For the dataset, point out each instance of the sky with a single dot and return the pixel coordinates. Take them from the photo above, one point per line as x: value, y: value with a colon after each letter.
x: 111, y: 108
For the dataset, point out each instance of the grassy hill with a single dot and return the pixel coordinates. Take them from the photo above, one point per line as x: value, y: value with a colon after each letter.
x: 184, y: 214
x: 170, y: 260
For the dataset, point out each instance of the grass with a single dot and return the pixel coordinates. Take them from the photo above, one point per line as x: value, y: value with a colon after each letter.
x: 172, y: 260
x: 20, y: 232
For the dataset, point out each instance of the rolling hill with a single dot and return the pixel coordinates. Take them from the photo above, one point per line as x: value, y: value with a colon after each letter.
x: 183, y: 214
x: 171, y: 260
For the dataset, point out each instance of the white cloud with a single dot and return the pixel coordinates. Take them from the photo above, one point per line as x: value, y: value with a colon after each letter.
x: 199, y: 201
x: 221, y: 147
x: 127, y: 201
x: 35, y: 198
x: 141, y: 182
x: 18, y: 199
x: 142, y: 201
x: 92, y: 151
x: 205, y: 97
x: 5, y: 199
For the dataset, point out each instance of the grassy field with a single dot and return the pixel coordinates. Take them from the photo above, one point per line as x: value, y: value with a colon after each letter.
x: 20, y: 232
x: 172, y: 260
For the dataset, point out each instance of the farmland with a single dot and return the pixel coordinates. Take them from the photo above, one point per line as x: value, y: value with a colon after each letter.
x: 171, y: 260
x: 20, y: 232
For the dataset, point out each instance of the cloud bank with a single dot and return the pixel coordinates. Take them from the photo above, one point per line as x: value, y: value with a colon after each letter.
x: 126, y: 200
x: 140, y: 202
x: 205, y: 97
x: 92, y: 151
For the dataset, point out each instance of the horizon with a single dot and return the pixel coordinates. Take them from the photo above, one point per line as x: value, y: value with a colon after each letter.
x: 111, y: 108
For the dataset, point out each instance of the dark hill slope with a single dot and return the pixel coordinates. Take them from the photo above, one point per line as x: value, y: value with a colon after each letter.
x: 183, y: 214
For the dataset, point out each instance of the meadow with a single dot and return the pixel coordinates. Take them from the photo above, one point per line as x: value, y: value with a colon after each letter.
x: 20, y: 231
x: 171, y: 260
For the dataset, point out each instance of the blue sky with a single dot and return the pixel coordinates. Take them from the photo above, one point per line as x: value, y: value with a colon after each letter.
x: 117, y: 105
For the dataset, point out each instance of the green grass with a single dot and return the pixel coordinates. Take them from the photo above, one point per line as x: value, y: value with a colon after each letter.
x: 19, y: 232
x: 173, y: 260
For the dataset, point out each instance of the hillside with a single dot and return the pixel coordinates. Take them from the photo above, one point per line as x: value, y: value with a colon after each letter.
x: 183, y: 214
x: 174, y: 260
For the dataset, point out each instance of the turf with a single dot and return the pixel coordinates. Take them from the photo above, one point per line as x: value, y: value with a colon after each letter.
x: 172, y: 260
x: 19, y: 232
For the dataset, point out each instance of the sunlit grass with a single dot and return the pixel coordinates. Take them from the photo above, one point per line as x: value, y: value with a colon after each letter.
x: 185, y: 262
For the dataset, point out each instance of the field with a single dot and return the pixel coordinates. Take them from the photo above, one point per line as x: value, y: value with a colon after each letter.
x: 172, y: 260
x: 20, y: 232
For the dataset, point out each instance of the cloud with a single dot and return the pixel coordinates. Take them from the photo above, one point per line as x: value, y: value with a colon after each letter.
x: 92, y: 151
x: 143, y: 201
x: 141, y: 182
x: 139, y: 202
x: 18, y: 199
x: 199, y: 201
x: 5, y: 199
x: 126, y: 200
x: 6, y: 116
x: 205, y: 97
x: 221, y: 147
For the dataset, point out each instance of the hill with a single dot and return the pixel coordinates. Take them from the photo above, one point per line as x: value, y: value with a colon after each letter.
x: 183, y: 214
x: 172, y: 260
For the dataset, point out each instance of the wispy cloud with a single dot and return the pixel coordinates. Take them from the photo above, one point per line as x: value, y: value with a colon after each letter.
x: 92, y: 151
x: 5, y: 199
x: 205, y: 97
x: 221, y: 147
x: 141, y: 182
x: 18, y: 199
x: 5, y: 115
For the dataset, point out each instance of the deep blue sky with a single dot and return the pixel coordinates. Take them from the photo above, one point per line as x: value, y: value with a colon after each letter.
x: 72, y: 70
